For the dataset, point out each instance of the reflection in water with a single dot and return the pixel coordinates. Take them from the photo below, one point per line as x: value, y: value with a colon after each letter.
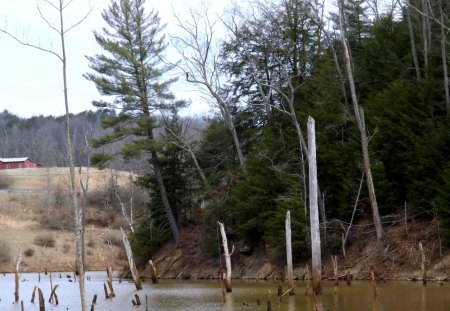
x: 177, y: 295
x: 424, y: 298
x: 290, y: 301
x: 229, y: 302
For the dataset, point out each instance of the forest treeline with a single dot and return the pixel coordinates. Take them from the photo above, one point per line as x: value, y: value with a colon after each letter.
x: 271, y: 69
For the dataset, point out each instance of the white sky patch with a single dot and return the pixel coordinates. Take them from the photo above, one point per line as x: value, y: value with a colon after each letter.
x: 31, y: 80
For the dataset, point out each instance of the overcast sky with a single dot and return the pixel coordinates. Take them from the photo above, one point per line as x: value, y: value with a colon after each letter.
x: 31, y: 80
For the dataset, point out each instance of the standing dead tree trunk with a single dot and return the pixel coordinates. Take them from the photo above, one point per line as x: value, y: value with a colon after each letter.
x: 335, y: 270
x: 444, y: 56
x: 359, y: 115
x: 16, y: 276
x: 290, y: 272
x: 227, y: 255
x: 422, y: 265
x: 59, y: 6
x: 314, y: 210
x: 133, y: 269
x: 412, y: 40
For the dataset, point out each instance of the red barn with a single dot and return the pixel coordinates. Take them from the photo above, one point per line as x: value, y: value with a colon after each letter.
x: 10, y: 163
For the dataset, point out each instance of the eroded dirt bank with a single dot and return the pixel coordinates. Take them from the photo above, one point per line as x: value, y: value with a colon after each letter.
x: 396, y: 258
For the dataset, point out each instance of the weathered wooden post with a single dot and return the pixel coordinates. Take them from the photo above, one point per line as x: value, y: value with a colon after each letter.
x: 314, y: 210
x: 290, y: 272
x: 227, y: 255
x: 133, y: 269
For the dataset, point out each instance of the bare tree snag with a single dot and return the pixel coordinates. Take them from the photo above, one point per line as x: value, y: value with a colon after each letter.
x: 425, y: 29
x: 314, y: 210
x: 335, y: 270
x: 105, y: 289
x: 16, y: 276
x: 41, y: 300
x: 110, y: 284
x: 444, y: 57
x: 348, y: 278
x: 422, y: 265
x: 374, y: 284
x: 153, y: 274
x: 124, y: 212
x: 136, y: 301
x: 227, y: 255
x: 61, y: 29
x: 53, y: 296
x: 412, y: 40
x: 133, y: 269
x: 290, y: 272
x: 359, y: 116
x: 33, y: 294
x: 307, y: 276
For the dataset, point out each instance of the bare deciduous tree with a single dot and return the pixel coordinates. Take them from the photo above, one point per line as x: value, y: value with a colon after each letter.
x: 200, y: 62
x: 60, y: 28
x: 359, y: 116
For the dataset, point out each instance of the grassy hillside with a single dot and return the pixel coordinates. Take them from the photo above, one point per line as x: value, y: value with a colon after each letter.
x: 30, y: 220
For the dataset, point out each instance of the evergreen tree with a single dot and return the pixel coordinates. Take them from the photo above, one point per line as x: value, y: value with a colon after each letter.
x: 132, y: 73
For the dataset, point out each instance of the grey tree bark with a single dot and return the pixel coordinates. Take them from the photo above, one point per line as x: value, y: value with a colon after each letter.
x: 444, y: 56
x: 289, y: 270
x: 131, y: 263
x: 227, y: 255
x: 359, y: 116
x: 412, y: 40
x: 314, y: 210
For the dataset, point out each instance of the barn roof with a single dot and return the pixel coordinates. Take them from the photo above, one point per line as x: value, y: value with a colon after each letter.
x: 6, y: 160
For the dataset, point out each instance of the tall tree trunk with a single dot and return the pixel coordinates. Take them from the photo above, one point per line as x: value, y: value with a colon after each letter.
x: 162, y: 189
x: 444, y: 56
x: 167, y: 208
x: 133, y: 269
x: 412, y: 40
x: 359, y: 115
x: 289, y: 270
x: 314, y: 210
x: 425, y: 31
x: 227, y: 255
x: 231, y: 127
x: 79, y: 233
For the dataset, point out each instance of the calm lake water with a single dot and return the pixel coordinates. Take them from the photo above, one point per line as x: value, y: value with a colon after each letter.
x: 180, y: 295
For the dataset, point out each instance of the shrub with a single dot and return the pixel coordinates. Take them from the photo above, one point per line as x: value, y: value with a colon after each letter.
x: 29, y: 252
x: 114, y: 239
x: 66, y: 248
x: 5, y: 251
x: 5, y: 181
x: 44, y: 239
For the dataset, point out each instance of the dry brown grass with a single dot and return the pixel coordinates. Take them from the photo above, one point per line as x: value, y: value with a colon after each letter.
x: 21, y: 215
x: 39, y: 178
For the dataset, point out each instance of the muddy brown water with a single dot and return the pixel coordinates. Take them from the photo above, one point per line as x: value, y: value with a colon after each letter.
x: 185, y: 295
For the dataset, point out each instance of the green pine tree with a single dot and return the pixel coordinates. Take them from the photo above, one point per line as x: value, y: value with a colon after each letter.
x: 132, y: 73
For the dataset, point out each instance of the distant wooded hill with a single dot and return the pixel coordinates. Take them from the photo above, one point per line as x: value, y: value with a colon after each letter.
x: 42, y: 138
